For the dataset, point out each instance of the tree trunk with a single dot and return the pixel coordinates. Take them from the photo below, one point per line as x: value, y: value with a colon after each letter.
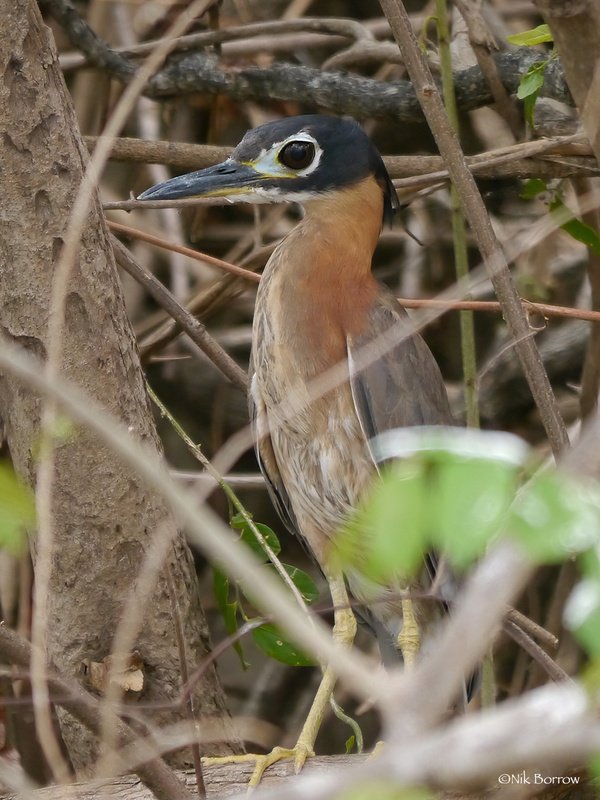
x: 103, y: 516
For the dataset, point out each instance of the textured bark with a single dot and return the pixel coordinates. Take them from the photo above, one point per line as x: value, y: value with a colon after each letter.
x: 103, y: 515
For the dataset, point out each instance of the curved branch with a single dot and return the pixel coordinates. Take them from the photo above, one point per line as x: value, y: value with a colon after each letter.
x: 340, y: 92
x: 191, y: 72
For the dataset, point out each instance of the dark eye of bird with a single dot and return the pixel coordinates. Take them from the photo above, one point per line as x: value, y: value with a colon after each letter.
x: 297, y: 155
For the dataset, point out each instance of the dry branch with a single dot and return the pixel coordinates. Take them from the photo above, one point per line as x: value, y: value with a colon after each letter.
x: 562, y: 156
x: 193, y: 327
x: 202, y: 72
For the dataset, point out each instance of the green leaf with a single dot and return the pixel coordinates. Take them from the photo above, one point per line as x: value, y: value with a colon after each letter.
x: 248, y: 536
x: 582, y: 615
x: 529, y: 88
x: 529, y: 108
x: 555, y: 518
x: 17, y: 512
x: 534, y: 36
x: 350, y: 744
x: 228, y: 611
x: 302, y: 581
x: 594, y: 768
x: 388, y: 534
x: 238, y: 521
x: 275, y: 645
x: 533, y: 187
x: 221, y: 590
x: 575, y: 227
x: 531, y: 83
x: 471, y: 500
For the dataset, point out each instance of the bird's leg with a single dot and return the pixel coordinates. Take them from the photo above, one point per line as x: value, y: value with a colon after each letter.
x: 409, y: 642
x: 344, y: 631
x: 408, y: 638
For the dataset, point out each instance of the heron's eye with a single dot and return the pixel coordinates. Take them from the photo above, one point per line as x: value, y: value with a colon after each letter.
x: 297, y: 155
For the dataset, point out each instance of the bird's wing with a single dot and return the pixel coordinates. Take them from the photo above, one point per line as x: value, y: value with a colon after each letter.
x: 395, y: 387
x: 267, y: 461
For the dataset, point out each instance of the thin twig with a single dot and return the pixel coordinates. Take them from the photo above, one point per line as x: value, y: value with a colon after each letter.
x: 532, y: 628
x: 196, y: 451
x: 543, y: 309
x: 483, y: 44
x: 459, y: 234
x: 347, y: 28
x: 134, y: 233
x: 183, y: 664
x: 193, y: 327
x: 518, y: 635
x: 187, y: 157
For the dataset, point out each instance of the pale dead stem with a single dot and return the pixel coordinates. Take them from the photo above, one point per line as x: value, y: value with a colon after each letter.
x: 407, y: 171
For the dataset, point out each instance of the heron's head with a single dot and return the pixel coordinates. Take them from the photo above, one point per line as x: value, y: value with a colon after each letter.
x: 297, y: 160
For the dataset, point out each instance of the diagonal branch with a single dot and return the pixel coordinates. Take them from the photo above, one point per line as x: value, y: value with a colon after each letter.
x: 480, y: 224
x: 193, y: 327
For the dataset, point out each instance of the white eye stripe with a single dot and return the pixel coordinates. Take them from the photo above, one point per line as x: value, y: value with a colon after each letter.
x: 268, y: 163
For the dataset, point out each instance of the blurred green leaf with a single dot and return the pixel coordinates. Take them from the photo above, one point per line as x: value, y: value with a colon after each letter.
x: 275, y: 645
x: 594, y: 768
x: 17, y: 512
x: 534, y: 36
x: 576, y: 228
x: 383, y: 790
x: 533, y: 187
x: 472, y: 498
x: 451, y: 491
x: 350, y: 744
x: 582, y: 615
x: 555, y: 518
x: 388, y: 534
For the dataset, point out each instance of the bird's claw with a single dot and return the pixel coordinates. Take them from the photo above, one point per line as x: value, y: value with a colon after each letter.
x: 261, y: 762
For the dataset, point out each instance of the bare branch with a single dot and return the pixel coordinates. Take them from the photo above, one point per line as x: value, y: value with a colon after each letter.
x: 193, y: 327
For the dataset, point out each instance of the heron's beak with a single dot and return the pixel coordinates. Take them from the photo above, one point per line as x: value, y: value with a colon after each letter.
x: 223, y: 180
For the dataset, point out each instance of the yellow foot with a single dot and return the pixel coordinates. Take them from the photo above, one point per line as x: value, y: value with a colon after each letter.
x: 261, y: 762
